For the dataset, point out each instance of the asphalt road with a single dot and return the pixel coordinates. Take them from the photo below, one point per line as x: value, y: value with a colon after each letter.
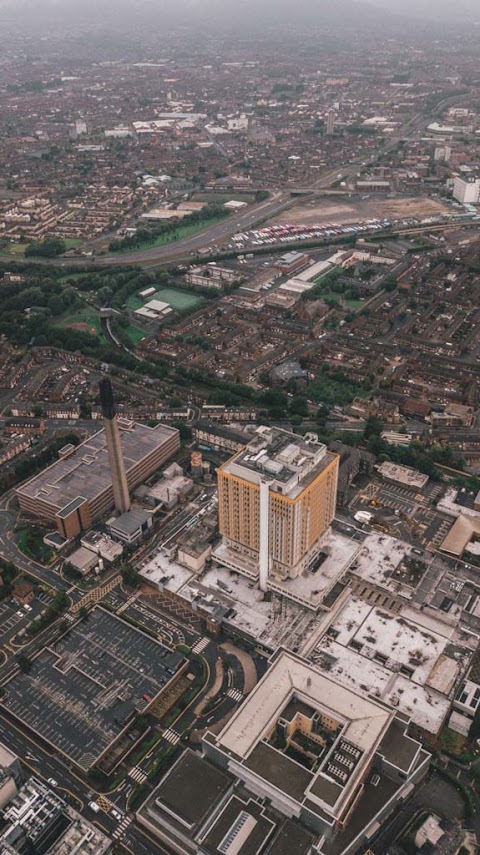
x: 215, y: 233
x: 254, y: 215
x: 9, y: 550
x: 39, y: 760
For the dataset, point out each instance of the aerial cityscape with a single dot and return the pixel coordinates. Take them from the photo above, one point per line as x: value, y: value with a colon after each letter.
x: 239, y: 427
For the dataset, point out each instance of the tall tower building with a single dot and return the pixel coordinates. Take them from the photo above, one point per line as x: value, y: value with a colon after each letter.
x: 331, y: 123
x: 466, y: 189
x: 276, y: 501
x: 115, y: 455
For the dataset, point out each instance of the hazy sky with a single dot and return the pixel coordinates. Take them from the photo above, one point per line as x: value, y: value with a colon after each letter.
x: 456, y: 10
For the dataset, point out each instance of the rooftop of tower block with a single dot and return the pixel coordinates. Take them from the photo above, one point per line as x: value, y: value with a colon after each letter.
x: 287, y: 461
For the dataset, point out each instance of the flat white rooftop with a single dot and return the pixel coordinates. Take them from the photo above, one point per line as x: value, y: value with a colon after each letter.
x: 426, y: 707
x: 274, y: 623
x: 366, y: 719
x: 310, y: 588
x: 162, y: 569
x: 379, y: 557
x: 403, y: 475
x: 400, y: 642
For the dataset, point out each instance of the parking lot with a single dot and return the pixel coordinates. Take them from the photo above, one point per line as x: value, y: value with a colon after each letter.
x: 81, y: 691
x: 15, y: 617
x: 434, y: 526
x: 173, y: 622
x: 397, y: 498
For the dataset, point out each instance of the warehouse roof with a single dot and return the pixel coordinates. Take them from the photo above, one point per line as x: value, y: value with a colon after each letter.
x: 86, y: 472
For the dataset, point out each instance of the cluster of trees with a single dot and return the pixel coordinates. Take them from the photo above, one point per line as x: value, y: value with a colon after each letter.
x: 425, y: 458
x: 335, y: 387
x: 130, y: 576
x: 46, y: 296
x: 48, y: 248
x: 8, y: 573
x: 46, y: 291
x: 52, y: 612
x: 149, y: 233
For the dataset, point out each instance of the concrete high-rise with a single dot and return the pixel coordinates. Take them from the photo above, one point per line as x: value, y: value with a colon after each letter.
x: 330, y: 122
x: 276, y: 500
x: 466, y: 189
x: 121, y: 495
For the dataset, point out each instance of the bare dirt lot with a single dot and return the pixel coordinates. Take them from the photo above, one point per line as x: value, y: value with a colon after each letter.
x: 82, y: 326
x: 344, y: 210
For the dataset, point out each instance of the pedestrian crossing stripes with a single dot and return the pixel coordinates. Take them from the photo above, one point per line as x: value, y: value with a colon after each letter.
x: 128, y: 603
x: 137, y: 775
x: 235, y: 694
x: 97, y: 594
x: 201, y: 645
x: 121, y: 827
x: 171, y: 736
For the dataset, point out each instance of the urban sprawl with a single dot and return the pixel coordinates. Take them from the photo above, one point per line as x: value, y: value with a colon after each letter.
x: 239, y: 433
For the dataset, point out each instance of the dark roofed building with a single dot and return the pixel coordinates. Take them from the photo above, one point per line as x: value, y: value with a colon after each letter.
x: 352, y: 462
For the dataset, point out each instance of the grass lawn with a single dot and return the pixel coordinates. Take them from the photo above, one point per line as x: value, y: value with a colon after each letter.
x: 86, y: 316
x: 30, y: 541
x: 72, y: 243
x: 179, y: 300
x: 135, y: 335
x: 354, y: 304
x: 134, y: 302
x: 179, y: 234
x: 328, y: 295
x: 14, y: 249
x: 451, y: 741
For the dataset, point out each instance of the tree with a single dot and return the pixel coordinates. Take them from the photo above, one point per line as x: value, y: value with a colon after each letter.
x: 130, y: 576
x: 373, y: 427
x: 175, y: 402
x: 274, y: 399
x: 24, y: 663
x: 184, y: 430
x: 299, y: 406
x: 48, y: 248
x: 390, y: 284
x: 264, y: 378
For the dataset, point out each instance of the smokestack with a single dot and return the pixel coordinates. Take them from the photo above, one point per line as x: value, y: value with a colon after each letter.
x: 117, y: 467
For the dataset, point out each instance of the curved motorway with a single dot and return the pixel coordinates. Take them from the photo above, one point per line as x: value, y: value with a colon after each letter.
x: 281, y: 199
x: 216, y: 233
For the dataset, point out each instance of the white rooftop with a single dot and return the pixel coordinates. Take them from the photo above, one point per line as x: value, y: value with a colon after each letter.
x: 366, y: 719
x: 273, y: 623
x: 309, y: 588
x: 161, y: 568
x: 401, y: 641
x: 426, y: 707
x: 378, y: 558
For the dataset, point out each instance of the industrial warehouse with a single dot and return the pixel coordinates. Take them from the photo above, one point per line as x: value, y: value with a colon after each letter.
x: 86, y: 482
